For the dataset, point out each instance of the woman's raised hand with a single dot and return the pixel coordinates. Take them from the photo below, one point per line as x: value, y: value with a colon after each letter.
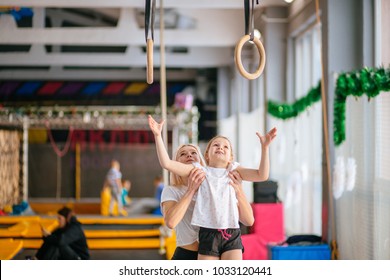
x: 155, y: 126
x: 265, y: 140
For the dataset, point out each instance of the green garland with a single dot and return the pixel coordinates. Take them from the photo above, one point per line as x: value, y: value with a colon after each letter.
x: 369, y: 81
x: 286, y: 111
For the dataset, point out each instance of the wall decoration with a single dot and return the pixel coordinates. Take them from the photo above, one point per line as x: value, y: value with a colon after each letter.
x: 368, y: 81
x: 286, y: 111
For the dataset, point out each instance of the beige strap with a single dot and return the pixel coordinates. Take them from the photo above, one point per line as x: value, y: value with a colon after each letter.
x: 149, y: 65
x: 238, y: 61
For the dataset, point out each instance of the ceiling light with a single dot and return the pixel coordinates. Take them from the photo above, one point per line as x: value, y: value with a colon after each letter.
x: 87, y: 117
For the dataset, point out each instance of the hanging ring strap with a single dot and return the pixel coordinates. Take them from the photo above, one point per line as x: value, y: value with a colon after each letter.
x: 149, y: 26
x: 249, y: 17
x: 149, y: 61
x: 249, y: 36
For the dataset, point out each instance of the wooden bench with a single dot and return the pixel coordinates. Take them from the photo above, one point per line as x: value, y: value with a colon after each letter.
x: 129, y: 238
x: 79, y: 207
x: 141, y: 220
x: 89, y: 233
x: 15, y: 230
x: 26, y: 226
x: 137, y: 233
x: 9, y: 248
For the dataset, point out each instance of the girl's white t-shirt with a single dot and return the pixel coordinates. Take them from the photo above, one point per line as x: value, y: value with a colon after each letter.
x: 216, y: 202
x: 186, y: 233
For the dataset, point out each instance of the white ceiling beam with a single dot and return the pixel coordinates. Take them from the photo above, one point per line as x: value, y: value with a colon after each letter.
x: 74, y: 18
x: 92, y: 74
x: 194, y: 58
x: 207, y: 4
x: 212, y: 30
x: 212, y: 4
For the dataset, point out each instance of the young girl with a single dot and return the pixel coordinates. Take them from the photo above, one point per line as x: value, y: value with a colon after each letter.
x: 216, y: 210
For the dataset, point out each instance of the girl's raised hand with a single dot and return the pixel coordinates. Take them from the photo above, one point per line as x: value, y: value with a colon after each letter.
x: 155, y: 127
x: 265, y: 140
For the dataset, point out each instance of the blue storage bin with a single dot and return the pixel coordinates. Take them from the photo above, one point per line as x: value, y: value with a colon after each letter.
x: 299, y: 252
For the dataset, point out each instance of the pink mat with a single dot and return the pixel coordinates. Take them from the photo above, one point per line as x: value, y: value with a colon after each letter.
x: 268, y: 228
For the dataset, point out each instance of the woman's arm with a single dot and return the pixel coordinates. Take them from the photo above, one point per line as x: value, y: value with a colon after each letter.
x: 174, y: 211
x: 176, y: 167
x: 244, y: 208
x: 73, y: 233
x: 262, y: 173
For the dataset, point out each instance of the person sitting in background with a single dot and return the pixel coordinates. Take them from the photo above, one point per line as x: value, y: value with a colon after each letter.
x: 23, y: 208
x: 159, y: 186
x: 146, y: 205
x: 67, y: 242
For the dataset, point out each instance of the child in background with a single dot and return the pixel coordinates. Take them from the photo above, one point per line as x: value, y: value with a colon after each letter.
x: 114, y: 182
x: 126, y: 186
x: 159, y: 186
x: 142, y: 205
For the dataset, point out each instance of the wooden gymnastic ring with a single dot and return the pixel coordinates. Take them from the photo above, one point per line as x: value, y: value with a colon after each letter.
x: 149, y: 64
x: 238, y: 61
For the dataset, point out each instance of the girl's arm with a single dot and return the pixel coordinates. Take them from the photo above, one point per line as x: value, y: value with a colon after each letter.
x: 261, y: 174
x: 176, y: 167
x: 174, y: 211
x: 244, y: 208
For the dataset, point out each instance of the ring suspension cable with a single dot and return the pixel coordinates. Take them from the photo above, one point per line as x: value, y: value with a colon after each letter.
x: 150, y: 7
x: 249, y: 36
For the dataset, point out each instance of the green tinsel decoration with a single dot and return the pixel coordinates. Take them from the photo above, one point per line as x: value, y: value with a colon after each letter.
x: 286, y: 111
x: 368, y: 81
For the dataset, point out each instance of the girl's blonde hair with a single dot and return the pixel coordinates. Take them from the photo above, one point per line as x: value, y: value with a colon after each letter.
x: 177, y: 180
x: 209, y: 145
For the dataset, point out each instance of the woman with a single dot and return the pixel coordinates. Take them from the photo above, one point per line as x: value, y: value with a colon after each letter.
x: 67, y: 242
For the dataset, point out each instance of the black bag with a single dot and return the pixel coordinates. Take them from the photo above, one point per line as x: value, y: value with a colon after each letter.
x: 303, y: 239
x: 265, y: 192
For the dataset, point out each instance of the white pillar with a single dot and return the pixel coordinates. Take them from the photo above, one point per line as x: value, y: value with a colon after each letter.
x: 25, y: 157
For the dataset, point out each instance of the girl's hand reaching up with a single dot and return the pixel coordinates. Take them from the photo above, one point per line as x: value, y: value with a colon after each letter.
x: 155, y: 127
x: 265, y: 140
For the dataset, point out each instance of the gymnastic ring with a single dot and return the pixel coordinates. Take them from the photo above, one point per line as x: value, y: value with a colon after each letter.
x: 238, y: 61
x: 149, y: 64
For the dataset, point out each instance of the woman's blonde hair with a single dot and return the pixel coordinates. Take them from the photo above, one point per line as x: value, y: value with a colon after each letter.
x: 209, y: 145
x: 176, y: 180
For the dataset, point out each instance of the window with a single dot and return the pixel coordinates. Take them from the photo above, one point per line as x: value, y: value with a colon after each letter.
x: 297, y: 155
